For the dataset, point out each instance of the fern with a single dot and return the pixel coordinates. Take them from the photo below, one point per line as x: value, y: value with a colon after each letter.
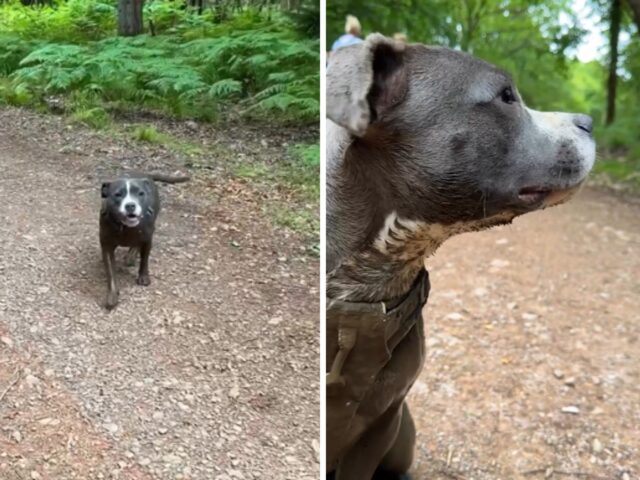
x: 225, y: 88
x: 259, y: 63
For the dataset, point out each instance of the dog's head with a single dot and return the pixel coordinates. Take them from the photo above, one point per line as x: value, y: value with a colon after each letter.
x: 450, y: 134
x: 127, y: 199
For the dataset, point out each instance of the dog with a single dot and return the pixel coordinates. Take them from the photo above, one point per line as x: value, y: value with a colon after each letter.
x: 423, y: 143
x: 130, y: 206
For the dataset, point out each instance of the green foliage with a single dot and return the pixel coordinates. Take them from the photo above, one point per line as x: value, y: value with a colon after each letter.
x: 253, y: 62
x: 97, y: 117
x: 149, y: 134
x: 12, y: 94
x: 67, y: 21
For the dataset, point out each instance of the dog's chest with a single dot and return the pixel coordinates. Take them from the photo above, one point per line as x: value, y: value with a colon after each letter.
x: 121, y: 235
x: 396, y: 378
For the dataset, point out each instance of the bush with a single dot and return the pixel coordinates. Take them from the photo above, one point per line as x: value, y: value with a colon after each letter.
x: 252, y: 63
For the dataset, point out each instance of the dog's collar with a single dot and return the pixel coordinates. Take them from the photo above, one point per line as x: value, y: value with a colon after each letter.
x: 395, y: 319
x: 401, y: 306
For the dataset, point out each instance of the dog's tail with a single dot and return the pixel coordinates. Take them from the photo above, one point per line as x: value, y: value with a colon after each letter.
x: 159, y: 177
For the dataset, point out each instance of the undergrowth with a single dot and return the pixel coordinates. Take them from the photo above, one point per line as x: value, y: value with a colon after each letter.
x: 255, y: 64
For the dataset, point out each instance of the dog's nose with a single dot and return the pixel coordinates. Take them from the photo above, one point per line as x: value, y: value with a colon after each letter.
x: 130, y: 207
x: 583, y: 122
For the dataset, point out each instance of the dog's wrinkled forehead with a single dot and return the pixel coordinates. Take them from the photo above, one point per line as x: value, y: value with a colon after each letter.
x: 440, y: 75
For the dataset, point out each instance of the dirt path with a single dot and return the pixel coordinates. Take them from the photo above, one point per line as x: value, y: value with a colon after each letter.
x: 523, y: 322
x: 209, y: 373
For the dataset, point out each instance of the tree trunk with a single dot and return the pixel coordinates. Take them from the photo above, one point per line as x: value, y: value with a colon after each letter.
x: 635, y: 9
x: 130, y: 17
x: 614, y: 30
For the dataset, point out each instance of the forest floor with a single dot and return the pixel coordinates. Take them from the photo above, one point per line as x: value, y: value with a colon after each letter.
x: 533, y: 348
x: 211, y: 372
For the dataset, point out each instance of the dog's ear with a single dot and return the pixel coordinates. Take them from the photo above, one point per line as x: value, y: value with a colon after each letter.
x: 364, y: 81
x: 105, y: 189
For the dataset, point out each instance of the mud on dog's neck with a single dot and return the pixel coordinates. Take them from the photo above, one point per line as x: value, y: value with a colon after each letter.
x: 387, y: 268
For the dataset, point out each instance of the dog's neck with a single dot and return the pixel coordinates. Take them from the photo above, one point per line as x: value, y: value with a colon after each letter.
x: 375, y: 250
x: 372, y: 253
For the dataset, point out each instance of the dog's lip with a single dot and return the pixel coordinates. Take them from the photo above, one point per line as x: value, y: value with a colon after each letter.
x: 533, y: 197
x: 131, y: 221
x: 533, y: 194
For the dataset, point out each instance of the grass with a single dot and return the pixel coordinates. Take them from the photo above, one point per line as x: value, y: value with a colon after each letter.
x: 298, y: 172
x: 96, y: 117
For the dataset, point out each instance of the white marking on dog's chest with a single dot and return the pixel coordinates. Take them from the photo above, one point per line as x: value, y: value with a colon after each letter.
x: 408, y: 239
x: 403, y: 239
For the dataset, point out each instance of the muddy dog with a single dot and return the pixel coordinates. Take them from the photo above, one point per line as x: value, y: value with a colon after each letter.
x: 422, y: 143
x: 130, y: 206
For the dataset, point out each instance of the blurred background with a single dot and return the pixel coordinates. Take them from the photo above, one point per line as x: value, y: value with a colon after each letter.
x: 569, y: 55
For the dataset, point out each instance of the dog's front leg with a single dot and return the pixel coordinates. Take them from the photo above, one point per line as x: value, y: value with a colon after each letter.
x: 361, y: 462
x: 143, y: 273
x: 108, y: 257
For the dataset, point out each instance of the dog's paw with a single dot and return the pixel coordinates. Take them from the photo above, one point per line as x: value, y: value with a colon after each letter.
x: 112, y: 300
x: 143, y: 280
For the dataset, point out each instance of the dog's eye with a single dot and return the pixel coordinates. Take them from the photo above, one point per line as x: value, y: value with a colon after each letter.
x: 118, y: 195
x: 141, y: 193
x: 507, y: 96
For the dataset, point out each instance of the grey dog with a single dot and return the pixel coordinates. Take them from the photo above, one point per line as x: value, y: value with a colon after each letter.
x: 423, y: 143
x: 130, y: 206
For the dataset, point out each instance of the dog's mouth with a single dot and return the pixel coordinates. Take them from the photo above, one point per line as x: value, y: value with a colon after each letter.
x: 533, y: 195
x: 131, y: 220
x: 540, y: 196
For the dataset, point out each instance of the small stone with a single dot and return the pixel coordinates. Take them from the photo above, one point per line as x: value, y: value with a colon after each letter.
x: 275, y: 320
x: 570, y: 382
x: 455, y: 316
x: 529, y: 317
x: 49, y: 421
x: 512, y: 305
x: 597, y: 446
x: 480, y: 292
x: 35, y: 475
x: 158, y: 415
x: 16, y: 436
x: 7, y: 341
x: 572, y: 409
x: 234, y: 392
x: 499, y: 263
x: 111, y: 427
x: 558, y: 374
x: 31, y: 380
x: 144, y: 462
x: 625, y: 476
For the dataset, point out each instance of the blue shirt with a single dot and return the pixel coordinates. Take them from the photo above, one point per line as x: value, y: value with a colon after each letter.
x: 345, y: 41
